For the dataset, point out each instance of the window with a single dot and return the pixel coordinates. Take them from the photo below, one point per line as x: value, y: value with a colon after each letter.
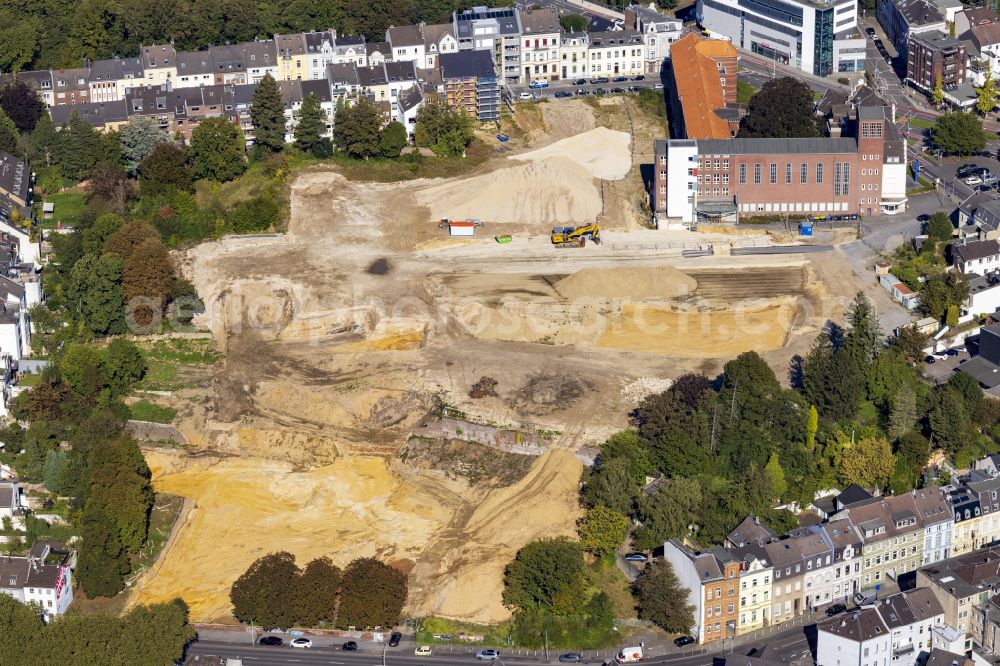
x: 803, y: 173
x: 743, y: 176
x: 756, y: 174
x: 819, y: 173
x: 774, y: 173
x: 788, y: 173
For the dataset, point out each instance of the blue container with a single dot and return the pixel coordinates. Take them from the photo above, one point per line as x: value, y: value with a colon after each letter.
x: 805, y: 229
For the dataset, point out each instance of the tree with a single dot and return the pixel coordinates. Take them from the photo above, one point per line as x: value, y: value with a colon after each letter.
x: 128, y: 237
x: 156, y: 634
x: 868, y: 461
x: 77, y: 148
x: 958, y: 133
x: 571, y: 22
x: 939, y: 227
x: 25, y: 622
x: 776, y: 474
x: 8, y: 133
x: 909, y: 342
x: 103, y: 561
x: 668, y: 512
x: 147, y: 279
x: 602, y: 531
x: 22, y: 104
x: 613, y: 484
x: 986, y: 94
x: 312, y: 123
x: 942, y: 290
x: 372, y: 594
x: 165, y: 169
x: 392, y: 140
x: 546, y: 575
x: 138, y: 138
x: 95, y: 295
x: 54, y: 470
x: 356, y: 128
x: 109, y: 183
x: 124, y: 365
x: 812, y: 425
x: 937, y: 94
x: 903, y: 414
x: 44, y: 142
x: 864, y: 341
x: 662, y: 599
x: 267, y: 113
x: 265, y: 593
x: 781, y: 108
x: 972, y: 396
x: 316, y: 590
x: 885, y: 376
x: 217, y: 150
x: 444, y: 130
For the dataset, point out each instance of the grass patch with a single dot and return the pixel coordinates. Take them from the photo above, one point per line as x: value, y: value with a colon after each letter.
x: 410, y: 167
x: 174, y: 364
x: 492, y: 634
x: 921, y: 123
x: 145, y: 410
x: 611, y: 581
x: 652, y: 101
x: 69, y: 205
x: 744, y: 91
x: 29, y: 380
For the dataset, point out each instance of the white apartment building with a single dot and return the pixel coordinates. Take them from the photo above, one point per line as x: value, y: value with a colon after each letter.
x: 755, y: 593
x: 320, y: 52
x: 573, y: 56
x: 615, y: 53
x: 30, y: 580
x: 438, y: 40
x: 658, y: 33
x: 159, y: 64
x: 540, y: 38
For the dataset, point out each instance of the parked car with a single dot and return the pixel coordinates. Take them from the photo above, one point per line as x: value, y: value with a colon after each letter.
x: 635, y: 557
x: 600, y: 79
x: 639, y: 78
x: 941, y: 355
x: 350, y: 646
x: 952, y: 352
x: 681, y: 641
x: 924, y: 217
x: 581, y: 92
x: 394, y: 638
x: 563, y: 93
x: 600, y: 91
x: 526, y: 96
x: 634, y: 88
x: 835, y: 609
x: 580, y: 82
x: 658, y: 86
x: 619, y: 79
x: 301, y: 643
x: 989, y: 179
x: 870, y: 31
x: 929, y: 359
x: 973, y: 180
x: 617, y: 91
x: 540, y: 83
x: 488, y: 653
x: 960, y: 349
x: 270, y: 640
x: 423, y: 651
x: 571, y: 658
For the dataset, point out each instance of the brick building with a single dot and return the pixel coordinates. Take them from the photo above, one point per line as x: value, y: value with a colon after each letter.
x: 862, y: 172
x: 934, y: 54
x: 704, y: 73
x: 712, y: 578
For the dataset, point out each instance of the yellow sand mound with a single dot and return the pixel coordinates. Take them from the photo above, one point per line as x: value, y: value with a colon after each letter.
x: 603, y: 152
x: 636, y: 284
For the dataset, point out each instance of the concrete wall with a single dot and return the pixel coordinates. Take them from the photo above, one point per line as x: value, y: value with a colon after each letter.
x: 510, y: 441
x: 157, y: 432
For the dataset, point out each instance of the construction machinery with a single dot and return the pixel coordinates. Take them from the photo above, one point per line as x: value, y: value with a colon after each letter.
x: 576, y: 236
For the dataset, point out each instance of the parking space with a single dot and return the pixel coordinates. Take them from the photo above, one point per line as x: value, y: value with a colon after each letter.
x: 943, y: 368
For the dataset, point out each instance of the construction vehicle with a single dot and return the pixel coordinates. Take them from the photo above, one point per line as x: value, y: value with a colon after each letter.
x: 575, y: 236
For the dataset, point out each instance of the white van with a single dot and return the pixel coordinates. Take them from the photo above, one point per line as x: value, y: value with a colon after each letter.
x: 629, y: 655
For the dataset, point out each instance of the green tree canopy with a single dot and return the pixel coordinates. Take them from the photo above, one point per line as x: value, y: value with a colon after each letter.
x: 667, y: 512
x: 372, y: 594
x: 958, y: 133
x: 316, y: 591
x: 312, y: 123
x: 138, y: 138
x: 662, y: 599
x: 444, y: 130
x: 781, y: 108
x: 165, y: 169
x: 393, y: 139
x: 602, y: 531
x: 217, y: 150
x: 356, y: 128
x: 939, y: 227
x: 22, y: 104
x: 267, y: 113
x: 572, y: 22
x: 546, y: 575
x: 867, y: 461
x: 264, y: 594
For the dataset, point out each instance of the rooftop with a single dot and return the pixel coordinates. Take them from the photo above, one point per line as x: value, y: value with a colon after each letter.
x: 698, y: 86
x: 823, y: 145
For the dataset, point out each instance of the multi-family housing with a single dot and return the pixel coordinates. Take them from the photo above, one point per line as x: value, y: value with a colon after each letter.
x: 712, y: 578
x: 42, y: 578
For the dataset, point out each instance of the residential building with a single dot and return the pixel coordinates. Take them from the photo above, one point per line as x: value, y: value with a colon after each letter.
x: 385, y: 83
x: 970, y: 17
x: 984, y: 489
x: 540, y: 39
x: 658, y: 33
x: 978, y: 256
x: 350, y: 49
x: 804, y: 34
x: 704, y: 75
x: 983, y: 47
x: 846, y: 543
x: 816, y: 553
x: 39, y: 80
x: 934, y: 56
x: 408, y: 107
x: 719, y: 179
x: 292, y: 94
x: 989, y: 464
x: 70, y: 86
x: 615, y: 53
x: 903, y: 19
x: 159, y: 64
x: 320, y: 52
x: 261, y: 60
x: 15, y: 181
x: 962, y: 585
x: 31, y: 580
x: 406, y: 42
x: 984, y: 368
x: 573, y: 55
x: 28, y: 251
x: 788, y: 581
x: 438, y: 39
x: 471, y: 84
x: 497, y: 30
x: 103, y: 80
x: 229, y: 64
x: 712, y: 579
x: 104, y: 116
x: 343, y: 79
x: 194, y: 70
x: 896, y: 630
x: 377, y: 53
x: 292, y: 57
x: 755, y: 593
x: 750, y: 531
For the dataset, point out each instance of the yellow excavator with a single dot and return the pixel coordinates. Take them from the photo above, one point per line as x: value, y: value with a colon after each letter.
x: 576, y: 236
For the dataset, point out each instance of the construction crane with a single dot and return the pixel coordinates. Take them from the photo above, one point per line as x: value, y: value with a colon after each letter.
x: 575, y: 236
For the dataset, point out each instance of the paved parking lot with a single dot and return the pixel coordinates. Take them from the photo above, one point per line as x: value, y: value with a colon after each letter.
x: 942, y: 369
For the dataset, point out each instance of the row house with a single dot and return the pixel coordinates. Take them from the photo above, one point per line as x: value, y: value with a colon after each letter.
x: 975, y: 509
x: 159, y: 64
x: 40, y: 80
x: 658, y: 33
x: 291, y: 56
x: 982, y: 41
x: 615, y: 53
x: 406, y: 43
x: 963, y: 585
x: 181, y: 110
x: 573, y: 55
x: 712, y: 579
x: 439, y: 39
x: 292, y: 94
x: 32, y: 580
x: 70, y: 86
x: 194, y: 70
x: 103, y: 116
x: 320, y: 52
x: 540, y: 39
x: 229, y: 64
x: 755, y: 593
x: 110, y: 79
x: 261, y: 60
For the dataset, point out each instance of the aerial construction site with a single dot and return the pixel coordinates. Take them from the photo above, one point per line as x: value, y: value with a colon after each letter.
x: 345, y: 337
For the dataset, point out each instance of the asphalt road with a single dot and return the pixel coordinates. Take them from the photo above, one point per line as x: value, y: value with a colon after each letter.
x: 650, y: 81
x: 597, y: 21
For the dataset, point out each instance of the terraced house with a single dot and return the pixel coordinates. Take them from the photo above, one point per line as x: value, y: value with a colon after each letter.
x: 712, y: 578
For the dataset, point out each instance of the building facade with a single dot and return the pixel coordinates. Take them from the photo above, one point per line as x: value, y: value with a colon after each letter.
x: 935, y: 57
x: 713, y: 579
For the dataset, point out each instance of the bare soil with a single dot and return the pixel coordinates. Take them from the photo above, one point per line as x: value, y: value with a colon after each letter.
x: 342, y: 336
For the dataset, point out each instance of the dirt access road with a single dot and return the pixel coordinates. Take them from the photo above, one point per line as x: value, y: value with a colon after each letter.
x: 344, y: 334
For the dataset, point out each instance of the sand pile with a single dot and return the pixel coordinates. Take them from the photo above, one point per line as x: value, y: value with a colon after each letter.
x: 603, y: 152
x: 553, y: 191
x: 634, y: 284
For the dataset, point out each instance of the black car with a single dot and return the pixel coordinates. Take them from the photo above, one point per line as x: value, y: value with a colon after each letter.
x: 639, y: 78
x: 349, y: 646
x: 923, y: 218
x: 563, y: 93
x: 571, y: 658
x: 681, y: 641
x: 601, y: 79
x: 270, y: 640
x: 929, y: 359
x: 619, y: 79
x: 617, y: 91
x: 580, y: 82
x: 600, y: 91
x: 870, y: 31
x: 581, y: 92
x: 394, y: 638
x: 835, y: 609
